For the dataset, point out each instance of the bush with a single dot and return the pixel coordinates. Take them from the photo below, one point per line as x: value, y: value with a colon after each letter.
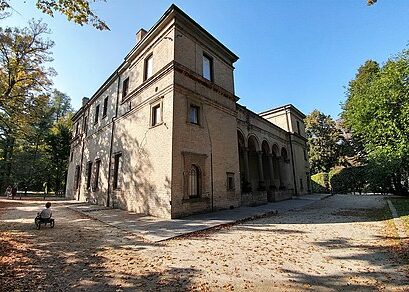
x: 358, y: 179
x: 320, y: 183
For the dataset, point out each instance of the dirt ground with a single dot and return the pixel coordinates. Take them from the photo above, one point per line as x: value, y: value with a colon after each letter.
x: 344, y: 242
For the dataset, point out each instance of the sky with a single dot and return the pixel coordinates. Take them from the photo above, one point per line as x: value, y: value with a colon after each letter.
x: 291, y: 51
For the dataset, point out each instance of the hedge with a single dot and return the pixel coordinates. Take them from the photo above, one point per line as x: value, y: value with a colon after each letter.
x: 320, y: 183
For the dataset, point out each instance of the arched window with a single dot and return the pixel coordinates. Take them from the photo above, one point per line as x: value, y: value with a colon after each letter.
x: 194, y: 181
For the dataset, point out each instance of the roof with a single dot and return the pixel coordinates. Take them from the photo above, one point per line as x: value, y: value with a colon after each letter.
x: 281, y: 108
x: 173, y: 8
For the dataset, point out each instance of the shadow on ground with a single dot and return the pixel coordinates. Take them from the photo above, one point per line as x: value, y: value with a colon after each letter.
x: 59, y: 260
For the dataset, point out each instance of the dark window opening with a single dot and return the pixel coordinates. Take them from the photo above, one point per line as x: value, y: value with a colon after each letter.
x: 117, y: 168
x: 156, y: 115
x: 89, y: 174
x: 148, y: 70
x: 77, y: 128
x: 85, y: 125
x: 96, y: 179
x: 207, y: 67
x: 298, y: 128
x: 230, y: 181
x: 194, y: 114
x: 194, y: 182
x: 96, y: 114
x: 105, y: 107
x: 77, y: 177
x: 125, y: 87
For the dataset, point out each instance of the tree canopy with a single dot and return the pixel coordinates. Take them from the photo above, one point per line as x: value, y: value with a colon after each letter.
x: 377, y: 110
x: 78, y: 11
x: 323, y: 136
x: 35, y: 128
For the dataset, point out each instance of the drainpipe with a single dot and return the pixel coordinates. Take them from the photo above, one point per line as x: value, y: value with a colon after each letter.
x: 292, y: 154
x: 211, y: 161
x: 112, y: 140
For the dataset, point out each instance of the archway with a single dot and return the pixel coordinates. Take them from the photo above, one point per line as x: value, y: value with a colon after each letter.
x: 243, y: 162
x: 265, y: 148
x: 253, y: 148
x: 284, y: 169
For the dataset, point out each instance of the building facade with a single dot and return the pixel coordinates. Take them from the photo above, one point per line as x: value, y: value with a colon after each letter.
x: 165, y: 136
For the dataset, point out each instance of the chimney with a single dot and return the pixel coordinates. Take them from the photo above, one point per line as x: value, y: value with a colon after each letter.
x: 140, y: 34
x: 84, y: 100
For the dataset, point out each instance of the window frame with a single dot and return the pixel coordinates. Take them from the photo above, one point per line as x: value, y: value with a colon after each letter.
x: 96, y: 117
x: 197, y: 182
x: 89, y: 175
x: 116, y: 183
x: 230, y: 175
x: 125, y: 88
x: 85, y: 125
x: 298, y: 127
x: 148, y: 59
x: 105, y: 107
x: 77, y: 177
x: 97, y: 174
x: 198, y: 113
x: 158, y: 103
x: 211, y: 66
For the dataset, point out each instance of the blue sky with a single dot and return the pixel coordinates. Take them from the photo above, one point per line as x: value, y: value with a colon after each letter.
x: 299, y: 52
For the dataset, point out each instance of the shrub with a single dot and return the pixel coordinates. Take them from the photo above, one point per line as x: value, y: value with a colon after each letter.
x: 320, y: 183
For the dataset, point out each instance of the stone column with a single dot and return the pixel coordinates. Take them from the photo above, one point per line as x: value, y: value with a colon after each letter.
x: 271, y: 167
x: 246, y: 165
x: 260, y: 169
x: 280, y: 162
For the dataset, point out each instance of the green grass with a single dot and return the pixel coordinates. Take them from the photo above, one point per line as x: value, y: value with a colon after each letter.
x: 402, y: 207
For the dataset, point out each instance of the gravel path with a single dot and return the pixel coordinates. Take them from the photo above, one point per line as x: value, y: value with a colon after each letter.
x: 335, y: 244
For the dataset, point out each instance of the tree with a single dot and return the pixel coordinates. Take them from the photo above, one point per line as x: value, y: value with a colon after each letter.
x: 78, y: 11
x: 377, y: 110
x: 323, y: 138
x: 23, y: 56
x: 24, y: 83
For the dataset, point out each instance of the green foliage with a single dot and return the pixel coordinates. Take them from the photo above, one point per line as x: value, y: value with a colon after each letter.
x: 368, y: 178
x: 323, y: 136
x: 320, y: 183
x: 377, y: 111
x: 78, y: 11
x: 35, y: 128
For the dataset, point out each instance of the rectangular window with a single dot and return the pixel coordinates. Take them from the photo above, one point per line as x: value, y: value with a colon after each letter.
x: 148, y: 67
x: 207, y: 67
x: 89, y: 174
x: 156, y: 115
x: 125, y: 87
x: 117, y: 169
x: 96, y: 177
x: 77, y: 177
x: 96, y: 114
x: 230, y: 181
x: 305, y: 154
x: 301, y: 184
x: 298, y: 128
x: 105, y: 107
x: 194, y: 114
x: 85, y: 126
x: 77, y: 129
x: 72, y: 155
